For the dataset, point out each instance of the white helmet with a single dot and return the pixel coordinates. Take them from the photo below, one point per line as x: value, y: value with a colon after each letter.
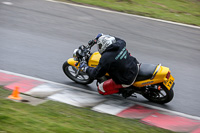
x: 104, y: 41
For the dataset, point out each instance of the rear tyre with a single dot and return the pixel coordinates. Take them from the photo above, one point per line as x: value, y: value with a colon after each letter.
x: 70, y: 72
x: 159, y: 94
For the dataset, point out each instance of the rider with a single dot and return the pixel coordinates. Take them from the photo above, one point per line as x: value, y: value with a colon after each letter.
x: 116, y: 61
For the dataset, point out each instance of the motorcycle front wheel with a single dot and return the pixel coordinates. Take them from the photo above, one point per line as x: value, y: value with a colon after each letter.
x: 70, y: 72
x: 159, y: 94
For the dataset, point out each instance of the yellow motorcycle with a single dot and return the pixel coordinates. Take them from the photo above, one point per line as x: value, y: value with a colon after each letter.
x: 154, y: 82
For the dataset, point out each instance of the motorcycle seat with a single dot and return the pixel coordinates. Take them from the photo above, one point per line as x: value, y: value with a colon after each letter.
x: 146, y: 71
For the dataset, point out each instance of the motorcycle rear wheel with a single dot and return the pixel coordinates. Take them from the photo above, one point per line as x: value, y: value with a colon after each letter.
x: 161, y: 96
x: 70, y: 72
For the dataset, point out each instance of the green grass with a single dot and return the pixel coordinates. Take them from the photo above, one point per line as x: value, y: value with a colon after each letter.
x: 55, y: 117
x: 183, y: 11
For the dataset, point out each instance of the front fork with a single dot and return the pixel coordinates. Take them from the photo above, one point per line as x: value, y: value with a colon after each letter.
x: 77, y: 73
x: 76, y: 64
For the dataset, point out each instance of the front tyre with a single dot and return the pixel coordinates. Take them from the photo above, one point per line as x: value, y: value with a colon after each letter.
x: 159, y: 94
x: 70, y: 72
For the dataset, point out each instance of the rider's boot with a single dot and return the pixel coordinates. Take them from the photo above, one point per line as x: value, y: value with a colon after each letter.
x: 126, y: 92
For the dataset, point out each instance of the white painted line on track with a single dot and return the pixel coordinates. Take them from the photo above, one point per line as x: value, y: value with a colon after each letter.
x: 7, y: 3
x: 104, y: 10
x: 142, y: 104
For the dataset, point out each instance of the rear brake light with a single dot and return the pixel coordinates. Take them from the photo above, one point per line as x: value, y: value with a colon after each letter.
x: 159, y: 87
x: 168, y: 75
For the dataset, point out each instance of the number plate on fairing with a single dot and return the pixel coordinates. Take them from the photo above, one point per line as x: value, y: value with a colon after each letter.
x: 169, y: 83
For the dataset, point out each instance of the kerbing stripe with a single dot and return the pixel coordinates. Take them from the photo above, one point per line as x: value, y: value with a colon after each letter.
x: 142, y: 104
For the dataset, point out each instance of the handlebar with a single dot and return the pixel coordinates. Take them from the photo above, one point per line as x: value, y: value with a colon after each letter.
x: 91, y: 43
x: 84, y: 51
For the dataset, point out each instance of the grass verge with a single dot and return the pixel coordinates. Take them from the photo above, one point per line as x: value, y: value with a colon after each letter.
x: 183, y: 11
x: 55, y: 117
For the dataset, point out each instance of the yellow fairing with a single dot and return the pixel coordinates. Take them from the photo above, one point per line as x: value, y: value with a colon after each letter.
x: 94, y: 59
x: 160, y: 77
x: 72, y: 62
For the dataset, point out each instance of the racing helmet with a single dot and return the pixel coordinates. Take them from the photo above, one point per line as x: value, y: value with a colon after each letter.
x: 104, y: 41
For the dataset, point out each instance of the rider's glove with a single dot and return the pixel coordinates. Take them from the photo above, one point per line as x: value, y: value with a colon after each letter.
x: 94, y: 41
x: 83, y: 66
x: 99, y: 35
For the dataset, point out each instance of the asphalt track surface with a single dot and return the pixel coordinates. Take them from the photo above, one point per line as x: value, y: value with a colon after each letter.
x: 37, y: 36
